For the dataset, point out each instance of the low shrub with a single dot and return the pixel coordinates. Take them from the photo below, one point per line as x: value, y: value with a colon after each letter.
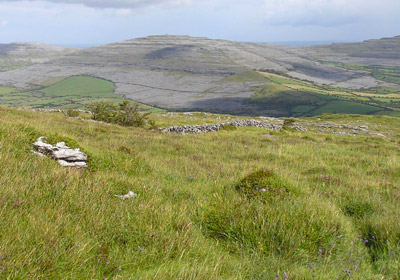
x: 287, y: 123
x: 125, y: 114
x: 72, y: 113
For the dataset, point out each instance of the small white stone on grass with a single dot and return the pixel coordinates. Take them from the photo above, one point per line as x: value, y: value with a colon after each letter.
x: 130, y: 194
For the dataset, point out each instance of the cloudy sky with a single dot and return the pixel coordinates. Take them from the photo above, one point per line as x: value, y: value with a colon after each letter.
x: 80, y: 22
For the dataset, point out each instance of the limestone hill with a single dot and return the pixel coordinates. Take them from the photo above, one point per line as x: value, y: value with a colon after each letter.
x: 187, y: 73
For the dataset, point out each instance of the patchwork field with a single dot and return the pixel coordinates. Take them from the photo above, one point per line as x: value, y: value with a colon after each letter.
x: 302, y: 98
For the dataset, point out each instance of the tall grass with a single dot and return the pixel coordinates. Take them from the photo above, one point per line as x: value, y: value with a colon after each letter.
x: 337, y: 216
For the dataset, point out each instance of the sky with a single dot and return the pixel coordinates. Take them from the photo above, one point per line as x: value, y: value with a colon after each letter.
x: 97, y: 22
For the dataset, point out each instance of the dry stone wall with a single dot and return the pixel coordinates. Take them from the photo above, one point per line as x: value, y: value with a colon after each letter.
x: 198, y: 129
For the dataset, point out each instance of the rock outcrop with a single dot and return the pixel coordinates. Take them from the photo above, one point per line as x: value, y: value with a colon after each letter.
x: 64, y: 155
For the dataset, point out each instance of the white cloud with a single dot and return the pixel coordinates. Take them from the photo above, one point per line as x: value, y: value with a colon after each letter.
x: 123, y: 12
x: 102, y: 21
x: 326, y: 12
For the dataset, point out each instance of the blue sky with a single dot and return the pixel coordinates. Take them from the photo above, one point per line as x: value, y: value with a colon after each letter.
x: 79, y: 22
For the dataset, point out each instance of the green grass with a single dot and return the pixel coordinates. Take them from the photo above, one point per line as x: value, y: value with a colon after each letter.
x: 346, y: 107
x: 303, y: 109
x: 194, y: 217
x: 246, y: 76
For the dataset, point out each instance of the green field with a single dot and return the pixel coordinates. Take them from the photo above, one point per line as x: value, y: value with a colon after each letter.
x: 384, y: 73
x: 346, y: 107
x: 6, y: 90
x: 300, y: 98
x: 306, y: 103
x: 302, y: 109
x: 73, y: 92
x: 330, y: 209
x: 246, y: 76
x: 81, y: 87
x: 65, y: 93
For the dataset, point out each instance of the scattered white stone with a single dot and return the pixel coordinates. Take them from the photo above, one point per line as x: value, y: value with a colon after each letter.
x: 339, y: 133
x: 378, y: 134
x: 130, y: 194
x: 268, y: 135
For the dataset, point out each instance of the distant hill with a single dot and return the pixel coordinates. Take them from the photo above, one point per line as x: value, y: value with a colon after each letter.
x: 188, y: 73
x: 16, y: 55
x: 386, y: 48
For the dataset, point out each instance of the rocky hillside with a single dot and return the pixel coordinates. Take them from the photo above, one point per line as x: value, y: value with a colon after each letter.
x: 182, y: 72
x: 17, y: 55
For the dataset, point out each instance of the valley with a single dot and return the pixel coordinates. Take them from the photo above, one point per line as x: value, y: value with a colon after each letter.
x: 182, y: 73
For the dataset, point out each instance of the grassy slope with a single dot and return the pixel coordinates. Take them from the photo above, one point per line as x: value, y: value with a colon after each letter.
x: 189, y: 222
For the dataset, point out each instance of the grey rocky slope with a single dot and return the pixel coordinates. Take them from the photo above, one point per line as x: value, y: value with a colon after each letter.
x: 23, y: 54
x: 182, y: 72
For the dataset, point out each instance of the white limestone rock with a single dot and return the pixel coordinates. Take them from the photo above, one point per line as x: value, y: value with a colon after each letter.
x: 64, y: 155
x: 76, y: 164
x: 69, y: 154
x: 42, y: 146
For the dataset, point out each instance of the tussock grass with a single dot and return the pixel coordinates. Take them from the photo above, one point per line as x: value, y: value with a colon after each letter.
x: 338, y: 211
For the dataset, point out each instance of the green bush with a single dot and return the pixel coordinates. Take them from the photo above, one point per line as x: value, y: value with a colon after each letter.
x: 287, y: 123
x: 125, y: 114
